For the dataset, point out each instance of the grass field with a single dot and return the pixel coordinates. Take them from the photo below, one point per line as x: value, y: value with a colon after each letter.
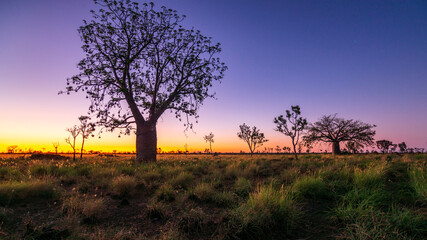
x: 374, y: 196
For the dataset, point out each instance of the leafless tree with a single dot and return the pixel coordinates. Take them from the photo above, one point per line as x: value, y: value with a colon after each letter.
x: 254, y: 138
x: 141, y: 62
x: 209, y: 139
x: 56, y: 146
x: 71, y: 140
x: 292, y: 126
x: 334, y: 130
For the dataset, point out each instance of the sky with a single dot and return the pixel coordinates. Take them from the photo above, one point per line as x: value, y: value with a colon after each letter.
x: 363, y: 60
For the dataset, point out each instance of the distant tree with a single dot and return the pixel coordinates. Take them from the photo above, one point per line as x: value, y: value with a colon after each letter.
x: 254, y: 138
x: 393, y: 148
x: 292, y: 126
x: 12, y: 149
x: 86, y: 129
x: 384, y: 145
x: 144, y: 59
x: 286, y: 149
x: 207, y: 150
x: 402, y: 147
x: 331, y: 129
x: 308, y: 147
x: 209, y: 139
x: 278, y: 149
x: 71, y: 140
x: 354, y: 147
x: 56, y: 146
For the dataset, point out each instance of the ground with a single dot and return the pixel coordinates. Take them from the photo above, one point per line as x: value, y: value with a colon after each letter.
x: 319, y: 196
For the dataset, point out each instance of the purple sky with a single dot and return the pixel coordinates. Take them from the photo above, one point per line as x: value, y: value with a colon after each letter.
x: 365, y: 60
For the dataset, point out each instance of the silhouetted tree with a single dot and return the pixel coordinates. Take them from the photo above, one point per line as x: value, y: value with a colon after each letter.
x: 56, y: 146
x: 12, y: 149
x: 402, y: 147
x: 71, y: 140
x: 86, y: 129
x: 144, y: 59
x: 254, y: 138
x: 384, y: 145
x: 209, y: 139
x: 331, y: 129
x: 286, y: 149
x: 278, y: 149
x: 292, y: 126
x: 393, y: 148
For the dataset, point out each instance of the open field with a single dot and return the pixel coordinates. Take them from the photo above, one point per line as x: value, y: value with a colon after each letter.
x: 374, y: 196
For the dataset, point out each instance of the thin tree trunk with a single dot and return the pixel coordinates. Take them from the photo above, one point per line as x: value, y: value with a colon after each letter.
x: 146, y: 142
x: 81, y: 151
x: 210, y: 145
x: 336, y: 148
x: 295, y: 149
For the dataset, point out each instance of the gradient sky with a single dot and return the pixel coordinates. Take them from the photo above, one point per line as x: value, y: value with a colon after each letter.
x: 365, y: 60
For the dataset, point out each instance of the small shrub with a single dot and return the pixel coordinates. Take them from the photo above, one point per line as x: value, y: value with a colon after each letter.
x: 310, y: 187
x: 268, y: 214
x: 203, y: 192
x: 242, y: 187
x: 124, y: 185
x: 165, y: 193
x: 10, y: 174
x: 231, y: 172
x: 418, y: 180
x: 156, y: 211
x: 224, y: 199
x: 14, y: 192
x: 183, y: 180
x: 195, y: 223
x: 39, y: 170
x: 91, y: 208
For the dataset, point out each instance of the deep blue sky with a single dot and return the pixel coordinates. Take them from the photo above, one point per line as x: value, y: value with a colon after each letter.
x: 365, y: 60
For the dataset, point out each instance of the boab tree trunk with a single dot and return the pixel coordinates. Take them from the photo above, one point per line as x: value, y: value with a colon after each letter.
x: 336, y: 148
x: 146, y: 142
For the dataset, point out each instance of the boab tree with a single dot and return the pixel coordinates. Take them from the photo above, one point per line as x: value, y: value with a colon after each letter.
x: 334, y: 130
x: 292, y: 126
x: 254, y: 138
x: 139, y: 63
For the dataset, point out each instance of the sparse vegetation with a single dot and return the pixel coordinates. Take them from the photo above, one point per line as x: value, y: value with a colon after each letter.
x: 372, y: 196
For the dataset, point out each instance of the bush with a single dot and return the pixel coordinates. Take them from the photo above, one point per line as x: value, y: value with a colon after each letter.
x: 123, y: 185
x: 203, y: 192
x: 165, y: 193
x: 14, y: 192
x: 268, y: 214
x: 183, y: 180
x: 242, y: 187
x: 91, y: 208
x: 310, y: 187
x: 156, y: 211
